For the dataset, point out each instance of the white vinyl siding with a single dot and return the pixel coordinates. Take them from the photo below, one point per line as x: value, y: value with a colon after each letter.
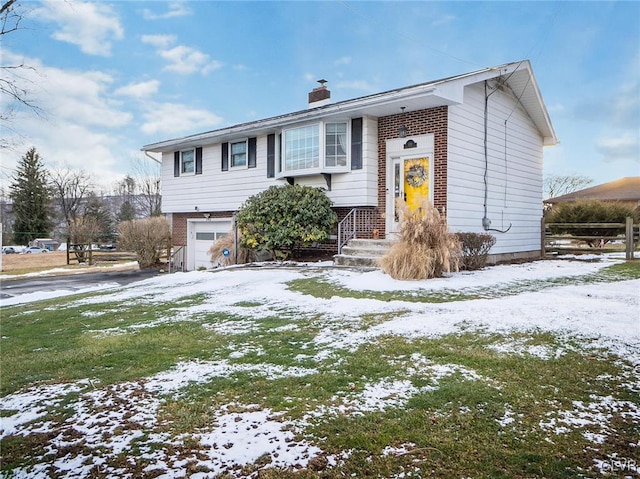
x: 514, y: 171
x: 216, y: 190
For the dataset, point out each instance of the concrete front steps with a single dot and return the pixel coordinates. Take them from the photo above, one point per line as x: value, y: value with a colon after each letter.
x: 363, y: 253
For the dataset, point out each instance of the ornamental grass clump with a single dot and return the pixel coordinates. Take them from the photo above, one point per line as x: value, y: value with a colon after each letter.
x: 216, y: 252
x: 425, y: 248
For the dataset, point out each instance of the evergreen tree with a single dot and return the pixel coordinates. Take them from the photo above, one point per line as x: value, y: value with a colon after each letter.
x: 30, y: 194
x: 127, y: 212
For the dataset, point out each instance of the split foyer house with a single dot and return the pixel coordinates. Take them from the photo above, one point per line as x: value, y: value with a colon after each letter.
x: 471, y: 144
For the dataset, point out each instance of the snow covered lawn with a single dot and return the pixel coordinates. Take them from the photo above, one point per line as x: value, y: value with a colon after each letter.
x: 529, y: 370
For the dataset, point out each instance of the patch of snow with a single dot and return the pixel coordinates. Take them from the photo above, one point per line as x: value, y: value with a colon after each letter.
x: 243, y: 437
x: 595, y: 415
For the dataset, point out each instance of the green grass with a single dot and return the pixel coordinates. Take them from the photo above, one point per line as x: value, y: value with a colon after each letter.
x: 320, y: 287
x: 460, y: 385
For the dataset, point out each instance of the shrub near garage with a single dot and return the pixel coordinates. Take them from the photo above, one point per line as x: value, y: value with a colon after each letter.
x: 149, y: 238
x: 283, y: 218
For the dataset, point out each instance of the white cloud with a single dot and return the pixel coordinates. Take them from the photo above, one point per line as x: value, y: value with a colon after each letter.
x: 623, y: 147
x: 81, y: 97
x: 187, y: 60
x: 139, y: 90
x: 181, y: 59
x: 175, y: 118
x: 159, y: 41
x: 309, y: 77
x: 89, y: 25
x: 81, y: 125
x: 176, y: 9
x: 342, y: 61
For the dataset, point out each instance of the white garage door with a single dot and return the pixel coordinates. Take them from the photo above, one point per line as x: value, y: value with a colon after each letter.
x: 201, y: 237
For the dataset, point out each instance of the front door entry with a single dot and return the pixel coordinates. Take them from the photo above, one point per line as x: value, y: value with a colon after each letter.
x: 411, y: 183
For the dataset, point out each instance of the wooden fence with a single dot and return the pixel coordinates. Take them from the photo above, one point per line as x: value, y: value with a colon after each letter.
x: 81, y: 253
x: 591, y: 243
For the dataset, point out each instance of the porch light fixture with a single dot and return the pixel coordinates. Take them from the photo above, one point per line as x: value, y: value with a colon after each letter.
x: 402, y: 130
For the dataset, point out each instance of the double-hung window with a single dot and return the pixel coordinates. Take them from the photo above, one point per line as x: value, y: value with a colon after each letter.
x: 315, y: 148
x: 187, y: 162
x: 239, y: 154
x: 335, y: 144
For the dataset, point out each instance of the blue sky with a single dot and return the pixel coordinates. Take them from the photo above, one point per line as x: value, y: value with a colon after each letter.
x: 111, y: 77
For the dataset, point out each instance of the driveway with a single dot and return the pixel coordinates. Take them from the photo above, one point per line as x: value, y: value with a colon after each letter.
x: 16, y: 287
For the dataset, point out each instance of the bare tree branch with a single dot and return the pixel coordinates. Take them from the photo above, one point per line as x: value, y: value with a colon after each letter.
x: 6, y: 6
x: 558, y: 185
x: 148, y: 176
x: 14, y: 86
x: 70, y: 188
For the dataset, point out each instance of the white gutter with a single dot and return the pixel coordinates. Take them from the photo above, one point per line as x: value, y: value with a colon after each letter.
x: 146, y: 153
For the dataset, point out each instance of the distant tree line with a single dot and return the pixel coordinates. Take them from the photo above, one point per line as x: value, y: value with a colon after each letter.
x: 64, y: 204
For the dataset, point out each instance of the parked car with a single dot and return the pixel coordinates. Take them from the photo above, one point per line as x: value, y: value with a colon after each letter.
x: 35, y: 249
x: 8, y: 250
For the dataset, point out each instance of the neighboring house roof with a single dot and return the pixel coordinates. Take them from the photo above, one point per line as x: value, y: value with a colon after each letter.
x: 624, y: 189
x: 516, y: 77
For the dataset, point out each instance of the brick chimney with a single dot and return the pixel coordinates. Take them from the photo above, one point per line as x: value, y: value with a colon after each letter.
x: 319, y: 96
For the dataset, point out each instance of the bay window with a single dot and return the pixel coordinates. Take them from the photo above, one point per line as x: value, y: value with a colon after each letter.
x: 315, y: 148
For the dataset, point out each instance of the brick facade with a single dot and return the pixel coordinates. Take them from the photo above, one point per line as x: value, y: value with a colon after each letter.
x: 179, y: 224
x: 430, y: 121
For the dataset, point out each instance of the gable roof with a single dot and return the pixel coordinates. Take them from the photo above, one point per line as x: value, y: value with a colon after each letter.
x: 624, y: 189
x: 516, y: 77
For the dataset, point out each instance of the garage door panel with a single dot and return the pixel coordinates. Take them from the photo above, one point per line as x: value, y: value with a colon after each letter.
x: 204, y: 234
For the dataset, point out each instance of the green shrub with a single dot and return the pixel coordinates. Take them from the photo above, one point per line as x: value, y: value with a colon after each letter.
x: 425, y: 250
x: 475, y: 249
x: 591, y: 211
x: 283, y: 218
x: 149, y: 238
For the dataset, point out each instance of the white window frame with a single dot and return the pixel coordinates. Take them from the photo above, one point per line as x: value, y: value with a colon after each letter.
x: 322, y: 166
x: 347, y: 145
x: 246, y: 153
x: 182, y: 162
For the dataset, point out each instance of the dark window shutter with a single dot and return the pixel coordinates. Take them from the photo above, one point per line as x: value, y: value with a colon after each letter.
x: 176, y: 163
x: 356, y: 144
x: 225, y: 157
x: 271, y: 155
x: 199, y: 161
x: 280, y: 166
x: 251, y: 160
